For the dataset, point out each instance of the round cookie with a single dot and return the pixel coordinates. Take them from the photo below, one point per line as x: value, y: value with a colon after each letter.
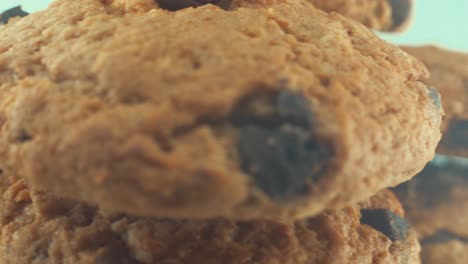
x: 436, y: 203
x: 385, y: 15
x: 449, y: 74
x: 274, y: 110
x: 38, y: 228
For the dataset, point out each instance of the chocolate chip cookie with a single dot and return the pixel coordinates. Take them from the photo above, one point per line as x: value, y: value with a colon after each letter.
x: 39, y: 228
x: 386, y: 15
x: 436, y: 202
x: 449, y: 74
x: 275, y: 109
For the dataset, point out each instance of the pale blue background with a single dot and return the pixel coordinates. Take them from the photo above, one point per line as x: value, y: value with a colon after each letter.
x: 442, y: 22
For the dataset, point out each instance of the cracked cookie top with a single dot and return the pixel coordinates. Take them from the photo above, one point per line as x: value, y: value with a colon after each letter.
x: 261, y: 109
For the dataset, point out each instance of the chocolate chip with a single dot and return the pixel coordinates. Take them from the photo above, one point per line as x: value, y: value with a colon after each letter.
x: 387, y: 222
x: 435, y: 96
x: 401, y: 11
x: 23, y: 136
x: 456, y: 136
x: 204, y: 2
x: 174, y: 5
x: 277, y: 145
x: 442, y: 237
x: 12, y: 12
x: 294, y: 109
x: 114, y: 252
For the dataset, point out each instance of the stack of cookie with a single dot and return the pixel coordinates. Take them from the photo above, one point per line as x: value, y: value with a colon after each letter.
x: 437, y: 199
x: 258, y: 131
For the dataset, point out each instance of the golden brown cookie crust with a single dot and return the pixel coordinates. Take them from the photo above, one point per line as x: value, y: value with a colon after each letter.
x: 449, y: 74
x: 113, y: 104
x: 39, y: 228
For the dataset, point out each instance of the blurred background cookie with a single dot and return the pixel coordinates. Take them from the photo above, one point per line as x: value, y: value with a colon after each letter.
x: 449, y: 75
x: 384, y: 15
x: 436, y: 204
x: 445, y: 249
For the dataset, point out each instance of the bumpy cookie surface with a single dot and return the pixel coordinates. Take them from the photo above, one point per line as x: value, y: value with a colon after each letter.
x: 436, y: 203
x: 259, y: 111
x: 386, y: 15
x: 449, y: 74
x: 38, y: 228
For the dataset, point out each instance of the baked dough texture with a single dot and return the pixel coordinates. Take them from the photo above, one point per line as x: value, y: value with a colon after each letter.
x: 38, y: 228
x: 267, y: 109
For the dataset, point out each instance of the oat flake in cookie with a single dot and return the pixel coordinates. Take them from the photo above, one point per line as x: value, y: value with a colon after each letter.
x: 273, y: 109
x: 37, y: 228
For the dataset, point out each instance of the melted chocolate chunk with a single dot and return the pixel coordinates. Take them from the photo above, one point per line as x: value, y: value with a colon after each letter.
x: 23, y: 136
x: 114, y: 256
x: 174, y: 5
x: 386, y: 222
x: 12, y: 12
x: 456, y: 136
x: 110, y: 249
x: 294, y: 109
x: 435, y: 96
x: 442, y: 237
x: 401, y: 11
x: 277, y: 145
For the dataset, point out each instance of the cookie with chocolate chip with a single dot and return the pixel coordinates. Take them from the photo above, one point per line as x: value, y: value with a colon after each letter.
x: 12, y: 13
x: 40, y: 228
x: 275, y: 109
x: 385, y: 15
x: 436, y: 203
x: 449, y: 74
